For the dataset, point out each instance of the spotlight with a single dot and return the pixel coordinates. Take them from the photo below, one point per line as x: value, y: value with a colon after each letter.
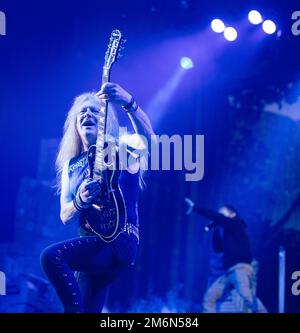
x: 254, y: 17
x: 269, y: 27
x: 186, y: 63
x: 217, y: 25
x: 230, y: 34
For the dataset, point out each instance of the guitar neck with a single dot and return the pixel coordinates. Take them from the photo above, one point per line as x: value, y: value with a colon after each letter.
x: 103, y: 110
x: 102, y: 121
x: 110, y: 57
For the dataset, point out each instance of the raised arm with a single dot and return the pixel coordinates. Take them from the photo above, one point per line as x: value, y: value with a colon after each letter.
x: 213, y: 216
x: 207, y: 213
x: 114, y: 93
x: 141, y: 123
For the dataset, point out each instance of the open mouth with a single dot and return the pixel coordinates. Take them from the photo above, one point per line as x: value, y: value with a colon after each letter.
x: 87, y: 123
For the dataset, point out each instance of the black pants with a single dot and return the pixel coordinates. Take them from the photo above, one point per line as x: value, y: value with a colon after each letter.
x: 96, y: 264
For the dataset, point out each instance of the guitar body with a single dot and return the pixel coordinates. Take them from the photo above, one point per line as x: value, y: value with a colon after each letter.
x: 107, y: 216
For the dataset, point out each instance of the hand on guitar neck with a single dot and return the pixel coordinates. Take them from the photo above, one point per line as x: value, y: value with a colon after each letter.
x: 114, y: 93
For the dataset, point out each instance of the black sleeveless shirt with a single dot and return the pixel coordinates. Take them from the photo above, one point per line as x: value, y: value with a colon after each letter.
x: 128, y: 182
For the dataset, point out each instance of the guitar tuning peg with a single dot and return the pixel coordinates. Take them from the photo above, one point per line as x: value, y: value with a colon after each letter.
x: 124, y: 41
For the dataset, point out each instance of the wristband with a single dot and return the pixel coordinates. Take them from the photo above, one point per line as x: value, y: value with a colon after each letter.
x: 78, y: 203
x: 131, y: 106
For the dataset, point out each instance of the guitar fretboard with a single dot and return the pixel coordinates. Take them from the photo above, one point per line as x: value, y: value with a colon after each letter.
x: 110, y: 58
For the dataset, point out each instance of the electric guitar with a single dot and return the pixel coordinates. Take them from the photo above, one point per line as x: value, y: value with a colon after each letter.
x: 107, y: 215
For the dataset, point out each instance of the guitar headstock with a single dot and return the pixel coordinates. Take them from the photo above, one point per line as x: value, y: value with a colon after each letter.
x: 114, y: 47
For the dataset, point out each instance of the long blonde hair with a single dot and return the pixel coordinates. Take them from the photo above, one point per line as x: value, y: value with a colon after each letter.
x: 71, y: 144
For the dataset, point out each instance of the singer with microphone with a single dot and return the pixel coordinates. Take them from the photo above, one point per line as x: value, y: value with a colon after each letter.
x: 231, y: 256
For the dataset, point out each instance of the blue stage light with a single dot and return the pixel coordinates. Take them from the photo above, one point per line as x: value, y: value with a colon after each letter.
x: 186, y: 63
x: 217, y: 25
x: 269, y: 27
x: 255, y: 17
x: 230, y: 34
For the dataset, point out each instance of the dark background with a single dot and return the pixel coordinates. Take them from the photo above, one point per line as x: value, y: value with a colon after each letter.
x: 54, y: 51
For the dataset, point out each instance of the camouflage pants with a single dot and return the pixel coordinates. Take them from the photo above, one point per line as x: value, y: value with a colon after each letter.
x: 240, y: 277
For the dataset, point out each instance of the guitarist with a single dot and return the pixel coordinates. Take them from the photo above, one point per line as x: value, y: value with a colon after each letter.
x: 95, y: 261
